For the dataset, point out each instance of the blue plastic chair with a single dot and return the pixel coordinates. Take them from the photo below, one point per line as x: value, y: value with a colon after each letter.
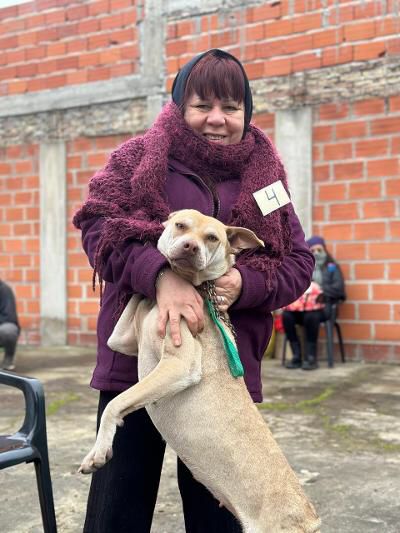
x: 29, y: 444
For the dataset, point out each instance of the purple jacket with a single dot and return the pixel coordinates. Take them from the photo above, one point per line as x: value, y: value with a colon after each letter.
x: 134, y: 268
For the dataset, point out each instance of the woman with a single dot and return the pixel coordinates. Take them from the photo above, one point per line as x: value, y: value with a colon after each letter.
x: 314, y: 307
x: 202, y: 153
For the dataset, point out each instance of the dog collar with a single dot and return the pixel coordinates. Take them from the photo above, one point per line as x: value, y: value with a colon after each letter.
x: 234, y: 362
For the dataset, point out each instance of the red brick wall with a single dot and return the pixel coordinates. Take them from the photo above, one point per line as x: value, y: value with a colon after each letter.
x: 52, y: 43
x: 19, y: 233
x: 278, y: 42
x: 356, y: 208
x: 84, y: 157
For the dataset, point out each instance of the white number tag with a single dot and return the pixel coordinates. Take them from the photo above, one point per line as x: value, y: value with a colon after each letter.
x: 271, y: 198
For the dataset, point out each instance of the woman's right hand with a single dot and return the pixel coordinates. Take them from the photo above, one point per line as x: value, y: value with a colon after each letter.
x: 176, y: 299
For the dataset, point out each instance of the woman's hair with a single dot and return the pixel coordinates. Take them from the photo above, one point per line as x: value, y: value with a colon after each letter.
x: 215, y: 76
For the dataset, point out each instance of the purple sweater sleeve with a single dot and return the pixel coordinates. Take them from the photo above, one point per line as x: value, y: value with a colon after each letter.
x: 133, y: 267
x: 290, y: 280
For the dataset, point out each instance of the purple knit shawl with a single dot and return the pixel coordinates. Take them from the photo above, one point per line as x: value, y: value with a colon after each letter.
x: 128, y: 192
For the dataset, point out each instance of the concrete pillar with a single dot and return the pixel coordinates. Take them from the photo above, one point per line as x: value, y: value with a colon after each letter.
x: 293, y: 137
x: 53, y: 250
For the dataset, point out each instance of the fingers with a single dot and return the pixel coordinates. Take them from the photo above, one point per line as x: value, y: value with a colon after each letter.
x: 162, y: 323
x: 174, y: 324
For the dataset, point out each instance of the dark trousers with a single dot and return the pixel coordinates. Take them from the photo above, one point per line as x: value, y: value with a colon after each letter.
x: 123, y: 493
x: 310, y: 320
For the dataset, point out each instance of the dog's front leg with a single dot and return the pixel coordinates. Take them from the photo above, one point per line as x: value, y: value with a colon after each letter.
x: 178, y: 369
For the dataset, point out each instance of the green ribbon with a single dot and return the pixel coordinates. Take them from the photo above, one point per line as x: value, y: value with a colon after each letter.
x: 234, y: 362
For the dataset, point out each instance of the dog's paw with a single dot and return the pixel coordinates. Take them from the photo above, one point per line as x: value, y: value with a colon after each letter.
x: 95, y: 459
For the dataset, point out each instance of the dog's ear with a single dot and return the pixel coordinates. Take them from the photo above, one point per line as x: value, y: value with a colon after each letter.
x: 165, y: 224
x: 242, y: 239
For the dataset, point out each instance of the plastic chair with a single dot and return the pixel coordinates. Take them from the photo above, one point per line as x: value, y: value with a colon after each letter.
x: 330, y: 325
x: 29, y: 444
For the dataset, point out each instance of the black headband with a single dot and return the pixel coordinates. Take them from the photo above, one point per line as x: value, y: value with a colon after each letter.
x: 178, y: 87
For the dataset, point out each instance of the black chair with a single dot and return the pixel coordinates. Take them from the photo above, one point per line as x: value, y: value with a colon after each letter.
x: 330, y: 325
x: 29, y: 444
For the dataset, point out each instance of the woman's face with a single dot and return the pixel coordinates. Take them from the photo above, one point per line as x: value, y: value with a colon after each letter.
x: 220, y: 121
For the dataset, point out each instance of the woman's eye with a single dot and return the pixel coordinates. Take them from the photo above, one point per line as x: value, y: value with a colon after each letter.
x: 231, y: 108
x: 212, y: 238
x: 203, y: 106
x: 179, y: 225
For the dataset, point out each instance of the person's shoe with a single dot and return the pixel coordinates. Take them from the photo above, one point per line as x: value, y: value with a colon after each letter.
x: 8, y: 363
x: 296, y: 359
x: 310, y: 363
x: 294, y: 363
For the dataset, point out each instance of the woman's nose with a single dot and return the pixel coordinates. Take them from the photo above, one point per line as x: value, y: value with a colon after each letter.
x: 216, y: 116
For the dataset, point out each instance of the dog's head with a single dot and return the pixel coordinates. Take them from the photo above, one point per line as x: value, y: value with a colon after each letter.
x: 201, y: 248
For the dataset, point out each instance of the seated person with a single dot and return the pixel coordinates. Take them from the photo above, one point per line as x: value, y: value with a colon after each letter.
x: 9, y: 326
x: 314, y: 307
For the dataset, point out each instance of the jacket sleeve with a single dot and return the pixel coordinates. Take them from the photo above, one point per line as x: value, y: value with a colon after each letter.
x: 290, y: 280
x: 133, y: 266
x: 333, y: 283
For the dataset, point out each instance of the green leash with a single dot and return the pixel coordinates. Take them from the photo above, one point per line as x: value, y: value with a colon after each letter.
x: 234, y: 362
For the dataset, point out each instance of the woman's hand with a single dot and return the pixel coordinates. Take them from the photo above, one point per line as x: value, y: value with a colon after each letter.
x: 177, y: 298
x: 228, y: 288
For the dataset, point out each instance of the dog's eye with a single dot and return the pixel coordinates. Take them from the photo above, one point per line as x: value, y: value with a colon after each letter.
x: 179, y: 225
x: 212, y: 238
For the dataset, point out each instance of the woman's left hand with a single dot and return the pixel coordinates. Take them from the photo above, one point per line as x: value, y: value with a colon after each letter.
x: 228, y: 288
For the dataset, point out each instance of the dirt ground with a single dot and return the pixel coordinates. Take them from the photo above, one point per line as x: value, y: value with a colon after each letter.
x: 339, y: 428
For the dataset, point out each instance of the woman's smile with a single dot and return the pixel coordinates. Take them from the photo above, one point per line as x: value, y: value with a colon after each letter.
x: 219, y: 121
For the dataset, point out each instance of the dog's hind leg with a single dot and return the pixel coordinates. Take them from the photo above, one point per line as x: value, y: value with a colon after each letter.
x: 178, y: 369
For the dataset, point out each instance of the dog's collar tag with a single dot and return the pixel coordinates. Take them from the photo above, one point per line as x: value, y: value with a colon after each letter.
x: 234, y: 362
x: 271, y: 198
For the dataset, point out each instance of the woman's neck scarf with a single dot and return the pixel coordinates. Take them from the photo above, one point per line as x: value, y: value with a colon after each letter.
x: 129, y: 191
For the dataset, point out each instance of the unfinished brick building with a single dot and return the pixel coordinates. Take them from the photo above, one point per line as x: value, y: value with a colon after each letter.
x: 77, y: 77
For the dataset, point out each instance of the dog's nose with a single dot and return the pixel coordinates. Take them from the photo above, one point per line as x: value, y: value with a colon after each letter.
x: 191, y: 247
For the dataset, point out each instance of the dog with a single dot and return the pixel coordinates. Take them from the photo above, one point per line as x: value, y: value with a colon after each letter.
x: 204, y: 413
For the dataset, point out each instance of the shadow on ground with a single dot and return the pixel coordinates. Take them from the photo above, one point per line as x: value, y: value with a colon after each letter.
x: 339, y: 428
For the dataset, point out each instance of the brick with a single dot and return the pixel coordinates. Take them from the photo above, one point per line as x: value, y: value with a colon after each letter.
x: 333, y: 111
x: 369, y: 10
x: 385, y: 126
x: 88, y: 308
x: 369, y: 271
x: 337, y: 151
x: 376, y: 209
x: 337, y: 55
x: 338, y: 232
x: 17, y: 87
x: 394, y: 230
x: 351, y: 129
x: 176, y: 48
x: 265, y: 12
x: 331, y: 192
x: 356, y: 331
x: 307, y: 22
x: 384, y: 250
x: 39, y: 52
x: 393, y: 187
x: 98, y: 8
x: 383, y: 167
x: 293, y: 45
x: 264, y: 120
x: 254, y: 70
x: 306, y: 62
x: 89, y: 60
x: 372, y: 148
x: 392, y: 47
x: 339, y: 14
x: 121, y: 70
x: 370, y: 189
x: 369, y: 231
x: 12, y: 245
x: 374, y: 311
x: 350, y: 251
x: 348, y: 171
x: 387, y: 332
x: 394, y: 104
x: 97, y: 160
x: 387, y: 291
x: 88, y: 26
x: 55, y: 81
x: 321, y: 173
x: 327, y: 37
x: 322, y: 133
x: 278, y: 67
x: 97, y: 74
x: 278, y: 28
x: 359, y: 31
x: 373, y: 106
x: 55, y: 17
x: 255, y: 33
x: 387, y: 26
x: 394, y: 271
x: 347, y: 211
x: 347, y: 311
x: 371, y: 50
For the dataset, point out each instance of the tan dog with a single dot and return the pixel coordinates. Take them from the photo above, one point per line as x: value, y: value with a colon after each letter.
x: 206, y: 415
